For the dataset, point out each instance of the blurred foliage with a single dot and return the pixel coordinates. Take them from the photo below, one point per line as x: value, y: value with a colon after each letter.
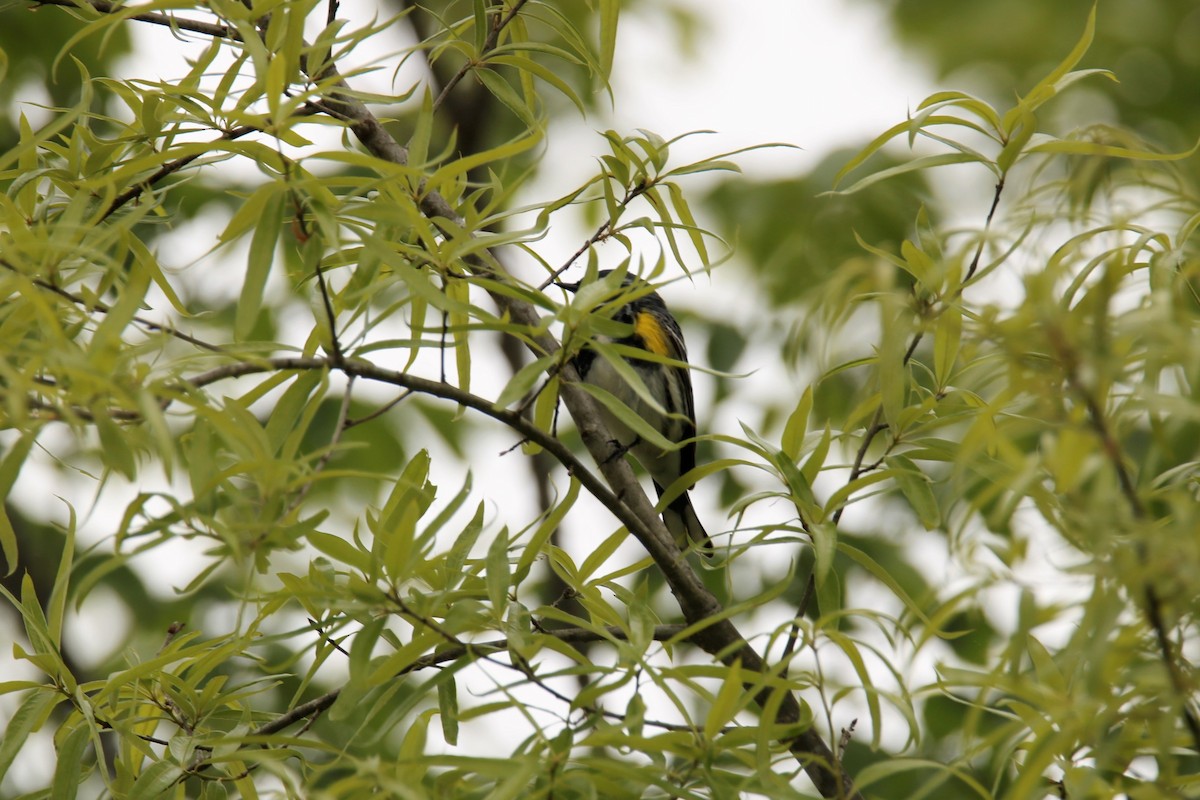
x: 798, y: 237
x: 30, y: 40
x: 992, y: 46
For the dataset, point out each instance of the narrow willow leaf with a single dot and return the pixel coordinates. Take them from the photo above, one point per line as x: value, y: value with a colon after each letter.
x: 107, y: 344
x: 459, y: 293
x: 947, y: 338
x: 531, y: 67
x: 155, y: 781
x: 504, y: 92
x: 1084, y: 148
x: 1021, y: 125
x: 893, y: 372
x: 70, y: 768
x: 340, y: 550
x: 816, y: 459
x: 258, y: 265
x: 726, y: 704
x: 916, y: 165
x: 497, y: 577
x: 610, y: 11
x: 965, y: 101
x: 601, y: 553
x: 870, y: 692
x: 29, y: 716
x: 447, y: 693
x: 914, y: 485
x: 525, y: 380
x: 1047, y: 86
x: 10, y: 468
x: 57, y: 605
x: 825, y: 541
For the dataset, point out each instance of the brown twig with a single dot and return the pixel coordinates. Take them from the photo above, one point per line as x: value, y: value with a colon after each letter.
x: 453, y: 653
x: 153, y: 17
x: 489, y: 44
x: 168, y: 169
x: 602, y: 232
x: 103, y: 308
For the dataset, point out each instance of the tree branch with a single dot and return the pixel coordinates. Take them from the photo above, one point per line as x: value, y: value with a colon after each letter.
x: 153, y: 17
x: 716, y: 634
x: 454, y: 652
x: 489, y: 44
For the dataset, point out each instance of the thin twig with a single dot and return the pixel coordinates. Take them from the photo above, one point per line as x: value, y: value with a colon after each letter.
x: 103, y: 308
x: 383, y: 409
x: 453, y: 653
x: 987, y: 226
x: 602, y: 232
x: 175, y: 23
x: 479, y: 60
x: 170, y: 168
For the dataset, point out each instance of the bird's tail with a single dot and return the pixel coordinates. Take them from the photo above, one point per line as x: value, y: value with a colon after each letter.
x: 681, y: 520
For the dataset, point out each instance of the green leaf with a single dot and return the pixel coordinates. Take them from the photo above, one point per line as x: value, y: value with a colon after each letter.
x: 505, y: 93
x: 825, y: 543
x: 461, y: 549
x: 523, y: 382
x: 885, y: 577
x: 114, y: 444
x: 29, y: 716
x: 816, y: 459
x: 947, y: 338
x: 626, y: 415
x: 893, y: 372
x: 10, y: 468
x: 1047, y: 86
x: 286, y: 411
x: 610, y: 11
x: 1084, y: 148
x: 447, y: 693
x: 155, y: 780
x: 727, y: 702
x: 915, y: 165
x: 69, y: 770
x: 545, y: 530
x: 915, y: 487
x: 57, y: 605
x: 601, y: 553
x: 797, y: 426
x: 258, y: 264
x: 340, y: 550
x: 497, y: 574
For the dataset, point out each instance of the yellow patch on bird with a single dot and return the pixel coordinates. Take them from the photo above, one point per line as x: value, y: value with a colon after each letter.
x: 652, y: 334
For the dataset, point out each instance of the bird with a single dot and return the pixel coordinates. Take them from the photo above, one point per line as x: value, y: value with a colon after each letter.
x: 654, y: 330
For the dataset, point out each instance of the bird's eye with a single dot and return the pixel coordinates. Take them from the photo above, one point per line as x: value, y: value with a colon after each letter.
x: 624, y: 314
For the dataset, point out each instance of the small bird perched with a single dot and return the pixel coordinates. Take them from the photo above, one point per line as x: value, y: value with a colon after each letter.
x: 654, y: 331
